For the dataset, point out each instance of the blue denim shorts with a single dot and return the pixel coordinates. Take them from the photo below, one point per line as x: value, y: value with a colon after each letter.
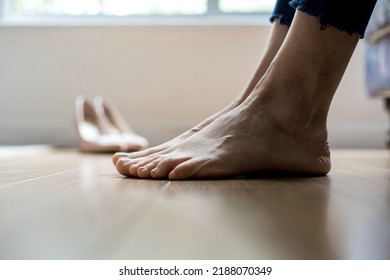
x: 347, y: 15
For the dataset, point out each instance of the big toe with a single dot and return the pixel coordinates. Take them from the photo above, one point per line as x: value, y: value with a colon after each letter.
x: 122, y: 167
x: 118, y: 156
x: 187, y: 170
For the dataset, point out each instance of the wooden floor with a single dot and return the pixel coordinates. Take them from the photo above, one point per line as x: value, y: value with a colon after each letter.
x: 61, y: 204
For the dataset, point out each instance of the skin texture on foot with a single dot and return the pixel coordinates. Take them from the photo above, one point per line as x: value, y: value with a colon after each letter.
x: 279, y: 128
x: 244, y: 141
x: 173, y: 141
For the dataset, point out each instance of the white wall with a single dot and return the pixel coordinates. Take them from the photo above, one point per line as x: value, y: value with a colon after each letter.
x: 164, y: 79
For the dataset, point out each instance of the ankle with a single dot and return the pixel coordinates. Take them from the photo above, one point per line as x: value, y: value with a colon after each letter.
x: 291, y: 109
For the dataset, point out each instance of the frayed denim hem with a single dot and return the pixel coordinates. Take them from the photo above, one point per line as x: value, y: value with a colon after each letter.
x: 282, y: 19
x: 328, y: 17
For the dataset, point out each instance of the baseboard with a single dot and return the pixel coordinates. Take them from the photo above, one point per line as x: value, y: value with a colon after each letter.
x: 341, y: 135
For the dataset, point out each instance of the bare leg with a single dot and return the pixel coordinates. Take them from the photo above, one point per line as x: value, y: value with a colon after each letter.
x: 275, y: 40
x: 280, y: 127
x: 387, y: 107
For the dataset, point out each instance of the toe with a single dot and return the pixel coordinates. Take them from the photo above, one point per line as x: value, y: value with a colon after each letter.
x: 165, y: 166
x: 140, y: 163
x: 185, y: 170
x: 122, y: 166
x: 133, y: 168
x: 145, y: 171
x: 118, y: 156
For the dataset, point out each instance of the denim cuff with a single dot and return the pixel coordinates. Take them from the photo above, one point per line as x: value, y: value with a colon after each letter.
x: 349, y: 16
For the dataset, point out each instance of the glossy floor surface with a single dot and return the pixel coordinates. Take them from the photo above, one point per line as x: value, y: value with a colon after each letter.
x: 61, y: 204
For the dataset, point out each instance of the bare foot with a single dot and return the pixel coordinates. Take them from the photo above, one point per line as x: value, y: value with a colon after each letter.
x: 280, y: 127
x: 244, y: 141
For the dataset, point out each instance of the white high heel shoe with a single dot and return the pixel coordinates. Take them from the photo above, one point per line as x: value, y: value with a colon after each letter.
x: 117, y: 125
x: 93, y: 133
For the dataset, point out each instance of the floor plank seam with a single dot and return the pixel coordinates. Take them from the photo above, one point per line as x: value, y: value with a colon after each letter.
x: 7, y: 185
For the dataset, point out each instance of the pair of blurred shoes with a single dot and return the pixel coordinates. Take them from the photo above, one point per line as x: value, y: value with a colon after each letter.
x: 102, y: 128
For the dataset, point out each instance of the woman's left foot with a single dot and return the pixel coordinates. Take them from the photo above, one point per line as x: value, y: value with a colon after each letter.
x: 242, y: 142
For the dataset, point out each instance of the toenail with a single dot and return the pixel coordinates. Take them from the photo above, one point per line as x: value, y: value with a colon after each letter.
x: 124, y: 160
x: 120, y: 155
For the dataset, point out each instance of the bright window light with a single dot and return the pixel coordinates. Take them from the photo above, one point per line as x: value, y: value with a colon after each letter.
x: 107, y: 7
x: 154, y: 7
x: 21, y: 8
x: 246, y: 6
